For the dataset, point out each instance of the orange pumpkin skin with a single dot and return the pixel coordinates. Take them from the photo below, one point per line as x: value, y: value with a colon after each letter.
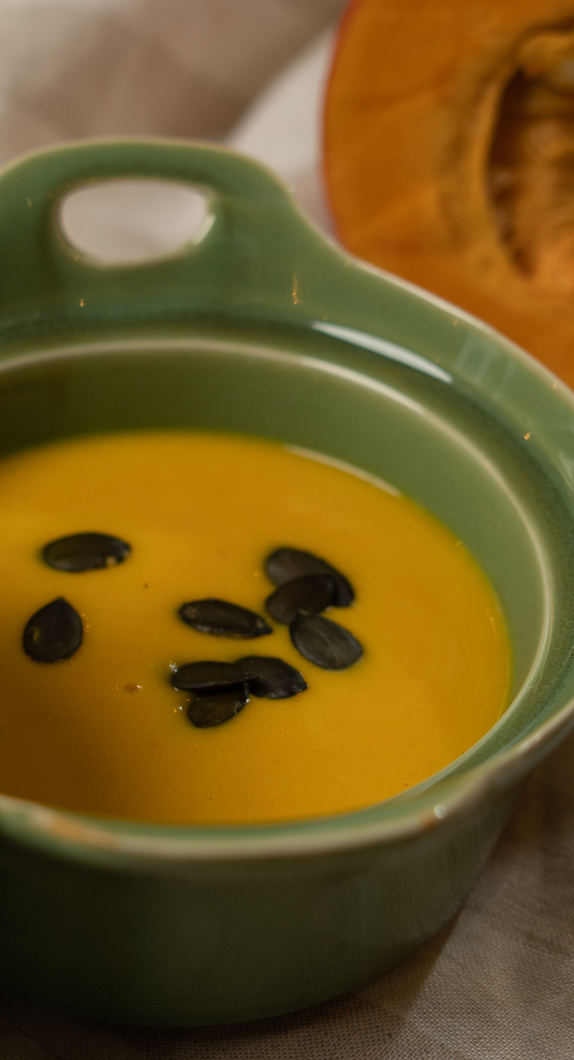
x: 449, y: 156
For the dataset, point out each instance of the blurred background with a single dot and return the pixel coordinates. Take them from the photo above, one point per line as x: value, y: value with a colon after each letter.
x: 249, y: 74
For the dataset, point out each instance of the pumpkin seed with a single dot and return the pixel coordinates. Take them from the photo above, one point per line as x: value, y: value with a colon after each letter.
x: 201, y: 676
x: 89, y: 551
x: 54, y: 632
x: 213, y: 708
x: 222, y: 619
x: 311, y: 593
x: 285, y: 564
x: 324, y: 642
x: 265, y: 676
x: 271, y: 677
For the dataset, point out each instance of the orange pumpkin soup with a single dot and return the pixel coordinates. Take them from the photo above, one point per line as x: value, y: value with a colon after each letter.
x: 104, y: 731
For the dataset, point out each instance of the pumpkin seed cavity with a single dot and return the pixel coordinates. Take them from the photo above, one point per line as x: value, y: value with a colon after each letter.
x: 311, y: 593
x: 223, y: 619
x: 286, y: 564
x: 324, y: 642
x: 53, y: 633
x: 82, y: 552
x: 214, y: 707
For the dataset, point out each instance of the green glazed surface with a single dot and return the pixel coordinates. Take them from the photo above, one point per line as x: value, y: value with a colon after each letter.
x: 260, y: 326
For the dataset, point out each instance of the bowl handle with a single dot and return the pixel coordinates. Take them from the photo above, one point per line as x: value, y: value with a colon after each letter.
x: 256, y: 255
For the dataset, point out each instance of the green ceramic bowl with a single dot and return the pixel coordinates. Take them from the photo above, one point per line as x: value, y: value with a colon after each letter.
x: 261, y: 326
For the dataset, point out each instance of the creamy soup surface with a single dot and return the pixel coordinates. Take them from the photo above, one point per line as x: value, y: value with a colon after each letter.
x: 104, y: 731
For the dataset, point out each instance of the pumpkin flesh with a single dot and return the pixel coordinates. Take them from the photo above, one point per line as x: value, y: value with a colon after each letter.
x: 449, y: 157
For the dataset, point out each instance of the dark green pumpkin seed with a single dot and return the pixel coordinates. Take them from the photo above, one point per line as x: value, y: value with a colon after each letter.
x: 285, y: 564
x: 200, y: 676
x: 324, y: 642
x: 311, y: 593
x: 213, y: 708
x: 222, y: 619
x: 55, y: 632
x: 265, y: 676
x: 271, y: 677
x: 81, y: 552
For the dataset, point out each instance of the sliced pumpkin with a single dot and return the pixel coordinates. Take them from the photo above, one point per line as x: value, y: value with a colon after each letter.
x: 449, y: 156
